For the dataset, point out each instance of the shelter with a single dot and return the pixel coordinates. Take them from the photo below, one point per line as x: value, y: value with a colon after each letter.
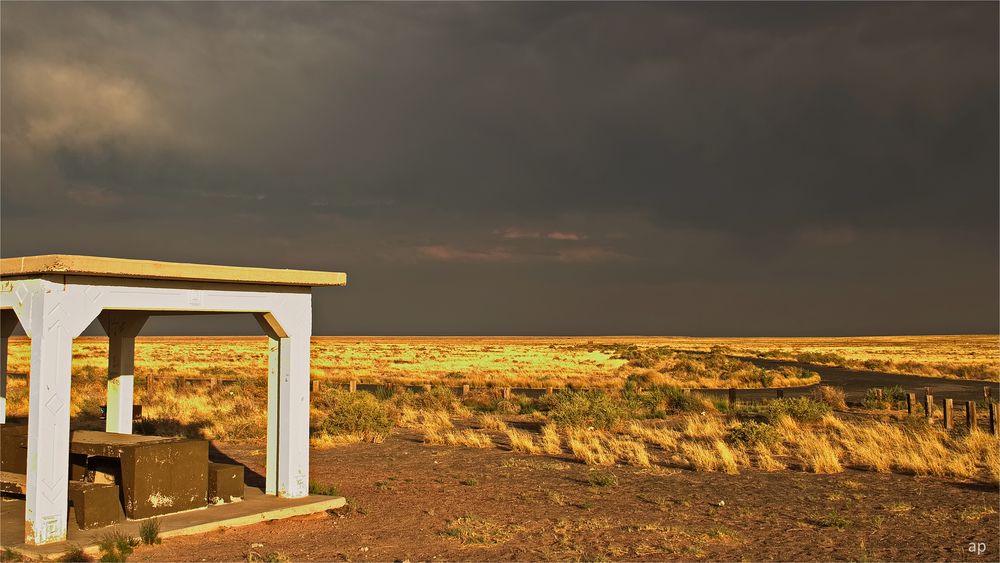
x: 55, y: 297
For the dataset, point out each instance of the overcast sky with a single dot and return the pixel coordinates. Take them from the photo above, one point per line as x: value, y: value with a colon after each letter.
x: 702, y: 169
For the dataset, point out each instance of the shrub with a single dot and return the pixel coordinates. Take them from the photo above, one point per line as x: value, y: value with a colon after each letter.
x: 751, y: 433
x: 356, y: 413
x: 602, y: 479
x: 116, y: 546
x: 588, y: 408
x: 659, y: 401
x: 801, y: 409
x: 437, y: 399
x: 149, y: 531
x: 884, y: 398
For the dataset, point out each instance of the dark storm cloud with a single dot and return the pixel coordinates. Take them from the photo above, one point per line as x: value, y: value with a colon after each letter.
x: 521, y: 168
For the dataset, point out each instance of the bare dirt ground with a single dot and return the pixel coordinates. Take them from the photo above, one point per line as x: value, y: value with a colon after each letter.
x: 410, y: 501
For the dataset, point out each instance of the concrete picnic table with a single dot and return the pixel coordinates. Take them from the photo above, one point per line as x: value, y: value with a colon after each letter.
x: 55, y: 297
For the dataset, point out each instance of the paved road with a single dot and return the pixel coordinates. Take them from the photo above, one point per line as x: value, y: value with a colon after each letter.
x: 856, y: 382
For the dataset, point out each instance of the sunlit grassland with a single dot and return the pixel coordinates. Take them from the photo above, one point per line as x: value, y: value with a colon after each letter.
x: 642, y: 417
x: 532, y: 361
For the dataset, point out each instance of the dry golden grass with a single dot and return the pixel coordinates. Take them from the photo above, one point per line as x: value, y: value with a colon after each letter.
x: 235, y: 413
x: 765, y: 459
x: 817, y: 454
x: 704, y: 427
x: 716, y: 456
x: 497, y: 361
x: 491, y: 422
x: 630, y: 451
x: 551, y: 442
x: 665, y: 438
x: 468, y: 438
x: 587, y: 447
x: 522, y: 442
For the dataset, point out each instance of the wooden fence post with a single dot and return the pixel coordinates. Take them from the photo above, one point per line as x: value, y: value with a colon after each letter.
x: 314, y: 385
x: 970, y: 415
x: 781, y: 393
x: 994, y: 419
x: 505, y: 393
x: 949, y: 414
x: 465, y: 389
x: 549, y: 390
x: 352, y: 387
x: 928, y: 405
x: 427, y: 387
x: 732, y: 396
x: 987, y: 393
x: 911, y: 403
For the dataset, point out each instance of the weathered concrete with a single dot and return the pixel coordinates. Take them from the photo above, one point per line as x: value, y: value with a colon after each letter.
x: 225, y: 482
x: 257, y: 507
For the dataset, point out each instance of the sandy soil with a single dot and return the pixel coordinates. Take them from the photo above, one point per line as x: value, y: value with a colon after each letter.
x: 405, y: 496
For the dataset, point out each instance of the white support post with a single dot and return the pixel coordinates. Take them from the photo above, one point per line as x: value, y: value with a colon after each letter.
x: 293, y: 415
x: 273, y: 377
x: 52, y: 317
x: 289, y: 330
x: 8, y: 321
x: 122, y: 327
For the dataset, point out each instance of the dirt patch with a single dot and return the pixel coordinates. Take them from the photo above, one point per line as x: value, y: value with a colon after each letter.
x: 412, y: 501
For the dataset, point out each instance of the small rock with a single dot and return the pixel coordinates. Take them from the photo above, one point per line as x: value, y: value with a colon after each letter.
x: 256, y: 545
x: 721, y: 503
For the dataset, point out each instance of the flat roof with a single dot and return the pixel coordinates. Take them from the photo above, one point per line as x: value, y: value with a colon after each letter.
x: 68, y: 264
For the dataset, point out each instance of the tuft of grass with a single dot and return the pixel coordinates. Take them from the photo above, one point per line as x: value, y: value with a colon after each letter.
x: 630, y: 451
x: 521, y: 442
x: 834, y: 520
x: 602, y: 479
x: 468, y: 438
x: 551, y: 442
x: 703, y: 427
x: 491, y: 422
x: 470, y: 482
x: 324, y: 489
x: 818, y: 454
x: 473, y: 530
x: 765, y: 460
x: 149, y: 531
x: 116, y: 545
x: 717, y: 457
x: 665, y: 438
x: 588, y: 448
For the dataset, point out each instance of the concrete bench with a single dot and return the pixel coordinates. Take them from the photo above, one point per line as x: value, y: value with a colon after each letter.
x: 158, y: 475
x: 95, y: 504
x: 225, y: 482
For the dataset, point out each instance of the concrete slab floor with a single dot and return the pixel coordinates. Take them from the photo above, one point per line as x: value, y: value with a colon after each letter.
x: 256, y: 507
